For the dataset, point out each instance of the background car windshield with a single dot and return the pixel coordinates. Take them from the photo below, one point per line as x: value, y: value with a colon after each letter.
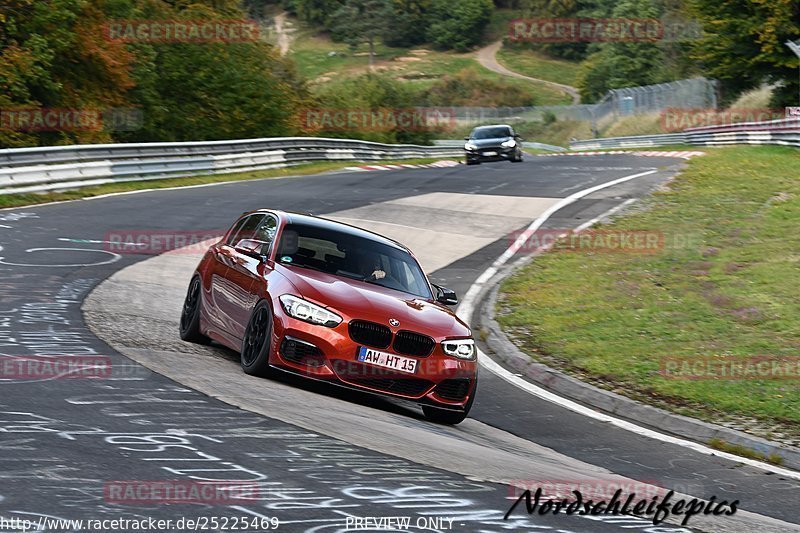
x: 343, y: 254
x: 491, y: 133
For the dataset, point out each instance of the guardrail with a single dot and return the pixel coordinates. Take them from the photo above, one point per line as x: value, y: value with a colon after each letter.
x: 782, y: 132
x: 61, y: 167
x: 534, y: 145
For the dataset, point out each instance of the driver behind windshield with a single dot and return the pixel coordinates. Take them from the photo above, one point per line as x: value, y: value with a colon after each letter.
x: 369, y: 266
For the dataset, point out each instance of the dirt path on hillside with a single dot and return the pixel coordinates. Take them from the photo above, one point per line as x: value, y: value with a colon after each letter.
x: 487, y: 56
x: 284, y: 41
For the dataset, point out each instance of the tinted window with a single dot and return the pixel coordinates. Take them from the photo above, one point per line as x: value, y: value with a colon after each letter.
x: 348, y: 256
x: 236, y: 227
x: 265, y: 231
x: 247, y: 230
x: 491, y: 133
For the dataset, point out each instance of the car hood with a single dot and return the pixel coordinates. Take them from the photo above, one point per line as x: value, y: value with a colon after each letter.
x: 366, y: 301
x: 495, y: 141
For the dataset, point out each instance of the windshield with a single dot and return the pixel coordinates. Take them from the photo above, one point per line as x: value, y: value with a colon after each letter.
x: 348, y: 256
x: 491, y: 133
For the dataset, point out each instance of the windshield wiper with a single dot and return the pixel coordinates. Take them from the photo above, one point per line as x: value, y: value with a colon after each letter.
x: 301, y: 265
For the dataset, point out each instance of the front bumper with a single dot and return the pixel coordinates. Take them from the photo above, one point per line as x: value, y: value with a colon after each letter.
x: 493, y: 153
x: 329, y: 354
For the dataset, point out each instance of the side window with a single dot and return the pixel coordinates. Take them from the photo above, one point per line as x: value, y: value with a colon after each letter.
x: 247, y: 229
x: 232, y: 235
x: 266, y: 232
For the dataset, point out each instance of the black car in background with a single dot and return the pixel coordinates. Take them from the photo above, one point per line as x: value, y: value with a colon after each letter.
x: 493, y: 143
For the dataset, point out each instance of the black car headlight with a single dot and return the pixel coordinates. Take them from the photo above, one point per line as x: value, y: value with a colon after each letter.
x: 304, y: 310
x: 462, y: 348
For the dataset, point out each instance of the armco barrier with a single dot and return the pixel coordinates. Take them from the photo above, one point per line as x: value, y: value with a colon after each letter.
x: 60, y: 167
x: 534, y: 145
x: 781, y: 132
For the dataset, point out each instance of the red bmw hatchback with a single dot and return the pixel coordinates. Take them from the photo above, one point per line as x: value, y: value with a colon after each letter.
x: 333, y: 302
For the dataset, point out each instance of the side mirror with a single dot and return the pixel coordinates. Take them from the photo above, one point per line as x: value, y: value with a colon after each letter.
x: 445, y: 296
x: 466, y: 138
x: 517, y: 137
x: 252, y: 248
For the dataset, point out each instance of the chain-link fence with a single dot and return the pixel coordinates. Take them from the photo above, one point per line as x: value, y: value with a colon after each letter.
x: 695, y: 93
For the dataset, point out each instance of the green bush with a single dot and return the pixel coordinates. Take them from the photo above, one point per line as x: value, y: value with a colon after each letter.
x: 467, y: 88
x: 458, y: 24
x: 375, y: 94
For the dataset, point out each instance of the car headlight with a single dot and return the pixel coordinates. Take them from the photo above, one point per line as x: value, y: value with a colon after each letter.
x: 469, y: 147
x: 306, y: 311
x: 462, y: 349
x: 511, y: 143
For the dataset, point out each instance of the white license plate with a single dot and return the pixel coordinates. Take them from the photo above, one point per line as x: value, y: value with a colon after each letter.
x: 489, y: 153
x: 387, y: 360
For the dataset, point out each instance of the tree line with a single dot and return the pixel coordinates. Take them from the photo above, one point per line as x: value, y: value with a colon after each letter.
x: 741, y: 43
x: 58, y: 56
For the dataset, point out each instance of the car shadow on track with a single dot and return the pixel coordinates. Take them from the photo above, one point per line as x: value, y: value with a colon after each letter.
x: 373, y: 401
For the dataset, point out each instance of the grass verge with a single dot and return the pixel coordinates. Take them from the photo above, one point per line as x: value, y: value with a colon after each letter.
x: 538, y: 65
x: 724, y: 285
x: 20, y: 200
x: 744, y: 451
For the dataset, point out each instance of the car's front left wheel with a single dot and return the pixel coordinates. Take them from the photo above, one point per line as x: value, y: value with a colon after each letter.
x: 190, y: 315
x: 257, y: 341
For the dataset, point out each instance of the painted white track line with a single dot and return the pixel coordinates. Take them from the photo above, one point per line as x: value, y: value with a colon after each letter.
x: 467, y: 309
x: 686, y: 154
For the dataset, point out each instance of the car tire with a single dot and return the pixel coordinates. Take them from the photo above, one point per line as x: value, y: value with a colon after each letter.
x: 517, y: 158
x: 190, y: 315
x: 448, y: 416
x: 254, y: 355
x: 473, y: 162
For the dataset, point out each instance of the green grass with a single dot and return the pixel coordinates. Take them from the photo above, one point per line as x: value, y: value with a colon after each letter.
x: 19, y: 200
x: 420, y: 67
x: 558, y: 133
x: 310, y: 54
x: 738, y: 449
x: 538, y: 65
x: 726, y: 284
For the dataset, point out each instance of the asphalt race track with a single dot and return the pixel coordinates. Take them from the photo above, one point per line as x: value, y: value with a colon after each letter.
x: 172, y: 410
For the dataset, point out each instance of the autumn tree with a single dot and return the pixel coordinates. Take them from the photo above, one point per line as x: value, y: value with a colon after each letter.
x: 744, y: 45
